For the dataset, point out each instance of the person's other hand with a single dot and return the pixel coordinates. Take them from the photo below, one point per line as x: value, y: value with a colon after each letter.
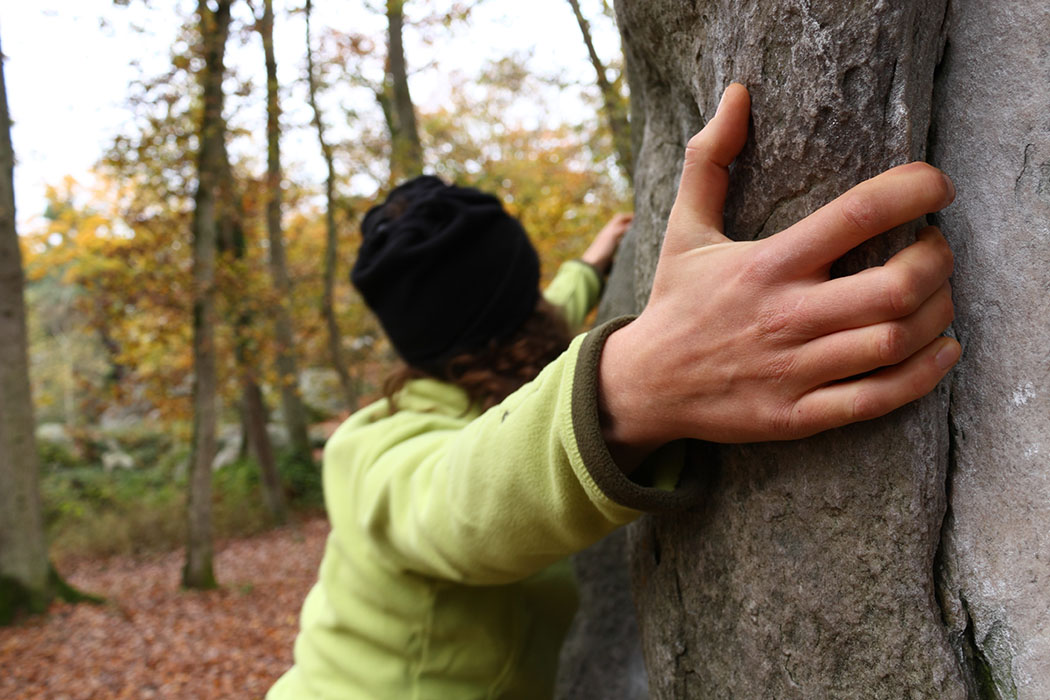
x: 753, y: 341
x: 602, y: 249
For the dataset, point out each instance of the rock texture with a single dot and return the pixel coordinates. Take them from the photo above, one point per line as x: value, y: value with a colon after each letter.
x: 809, y: 570
x: 602, y: 655
x: 992, y: 134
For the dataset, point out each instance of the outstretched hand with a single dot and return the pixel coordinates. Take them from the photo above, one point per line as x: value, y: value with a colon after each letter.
x: 602, y: 249
x: 753, y: 341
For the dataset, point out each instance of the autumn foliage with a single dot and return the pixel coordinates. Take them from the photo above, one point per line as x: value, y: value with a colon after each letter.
x: 110, y: 295
x: 119, y: 249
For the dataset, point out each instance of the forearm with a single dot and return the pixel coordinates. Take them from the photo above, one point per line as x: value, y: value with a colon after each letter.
x: 523, y: 485
x: 575, y: 290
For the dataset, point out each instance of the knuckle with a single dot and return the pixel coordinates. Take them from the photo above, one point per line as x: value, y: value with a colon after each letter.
x: 860, y: 211
x: 785, y: 420
x: 865, y: 406
x: 902, y: 296
x: 698, y: 148
x: 947, y: 254
x: 891, y: 346
x: 786, y: 318
x: 947, y: 308
x: 759, y: 265
x: 780, y: 369
x: 930, y: 178
x: 774, y: 322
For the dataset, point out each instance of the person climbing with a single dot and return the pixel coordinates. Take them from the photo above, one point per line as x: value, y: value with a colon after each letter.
x: 445, y: 574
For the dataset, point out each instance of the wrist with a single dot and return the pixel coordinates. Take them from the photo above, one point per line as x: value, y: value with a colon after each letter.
x: 600, y: 261
x: 630, y: 423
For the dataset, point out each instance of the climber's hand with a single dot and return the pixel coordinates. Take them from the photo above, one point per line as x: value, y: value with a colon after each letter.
x: 751, y: 341
x: 602, y: 249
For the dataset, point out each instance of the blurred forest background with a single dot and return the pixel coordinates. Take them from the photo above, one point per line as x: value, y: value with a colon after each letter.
x: 112, y: 287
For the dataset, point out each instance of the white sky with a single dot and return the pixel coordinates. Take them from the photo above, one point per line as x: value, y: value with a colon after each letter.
x: 69, y: 63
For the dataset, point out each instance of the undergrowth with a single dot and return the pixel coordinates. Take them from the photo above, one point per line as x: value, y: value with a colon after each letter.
x: 90, y: 511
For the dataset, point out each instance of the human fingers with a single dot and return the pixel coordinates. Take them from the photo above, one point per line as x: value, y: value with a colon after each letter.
x: 696, y: 217
x: 894, y: 290
x: 875, y: 394
x: 875, y: 206
x: 620, y: 223
x: 616, y: 226
x: 856, y: 351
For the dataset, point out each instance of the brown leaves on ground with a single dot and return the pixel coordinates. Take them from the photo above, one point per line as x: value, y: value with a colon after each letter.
x: 153, y: 640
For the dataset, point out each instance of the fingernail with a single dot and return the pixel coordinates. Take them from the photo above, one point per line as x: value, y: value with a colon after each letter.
x: 948, y: 355
x: 951, y: 187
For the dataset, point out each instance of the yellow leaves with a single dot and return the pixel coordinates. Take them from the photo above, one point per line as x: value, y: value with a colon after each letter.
x: 545, y: 178
x: 123, y: 242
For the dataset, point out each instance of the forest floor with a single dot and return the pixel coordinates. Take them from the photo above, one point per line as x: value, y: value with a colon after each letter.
x: 153, y: 640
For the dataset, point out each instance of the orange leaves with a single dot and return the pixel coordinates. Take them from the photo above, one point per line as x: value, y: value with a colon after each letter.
x: 152, y: 640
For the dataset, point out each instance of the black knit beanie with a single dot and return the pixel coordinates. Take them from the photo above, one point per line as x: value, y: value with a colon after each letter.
x: 445, y: 269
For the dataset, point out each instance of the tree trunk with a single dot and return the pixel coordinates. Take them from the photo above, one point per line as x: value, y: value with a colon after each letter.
x: 406, y: 153
x: 827, y: 567
x: 214, y: 27
x: 253, y: 407
x: 24, y: 584
x: 335, y: 350
x: 287, y: 367
x: 614, y: 105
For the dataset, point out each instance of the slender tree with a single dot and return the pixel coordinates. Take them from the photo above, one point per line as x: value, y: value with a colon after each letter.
x: 406, y: 151
x: 214, y: 28
x: 232, y: 243
x: 615, y: 106
x: 287, y: 367
x: 335, y: 349
x: 24, y: 580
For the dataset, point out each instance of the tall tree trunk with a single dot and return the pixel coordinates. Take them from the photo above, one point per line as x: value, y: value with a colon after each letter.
x: 287, y: 367
x: 406, y: 153
x: 614, y: 104
x: 232, y: 243
x: 335, y: 350
x: 827, y: 567
x: 214, y: 27
x: 24, y: 582
x: 253, y: 407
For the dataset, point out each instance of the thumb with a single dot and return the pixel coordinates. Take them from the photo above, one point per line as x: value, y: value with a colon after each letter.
x: 696, y: 217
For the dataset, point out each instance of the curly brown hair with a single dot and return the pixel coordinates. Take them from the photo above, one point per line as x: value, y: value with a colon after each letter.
x: 492, y: 373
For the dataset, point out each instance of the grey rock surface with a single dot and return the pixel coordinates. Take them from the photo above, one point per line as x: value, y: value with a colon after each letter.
x: 114, y: 457
x: 808, y: 572
x: 229, y: 441
x: 992, y: 134
x: 618, y: 297
x: 602, y: 655
x: 55, y: 434
x: 321, y: 390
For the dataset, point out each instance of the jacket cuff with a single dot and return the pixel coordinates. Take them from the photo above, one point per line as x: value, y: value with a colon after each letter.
x: 665, y: 466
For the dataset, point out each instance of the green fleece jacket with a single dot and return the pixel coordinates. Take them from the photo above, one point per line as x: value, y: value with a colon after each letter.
x: 445, y: 572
